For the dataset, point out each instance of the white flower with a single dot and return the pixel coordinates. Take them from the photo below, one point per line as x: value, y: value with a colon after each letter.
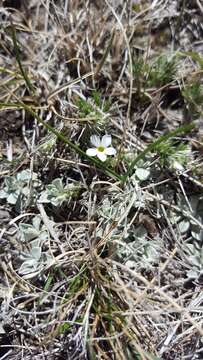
x: 102, y: 147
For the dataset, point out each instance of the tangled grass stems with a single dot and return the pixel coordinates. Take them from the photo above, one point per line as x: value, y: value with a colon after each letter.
x: 152, y: 147
x: 28, y: 83
x: 60, y: 136
x: 109, y: 292
x: 108, y: 171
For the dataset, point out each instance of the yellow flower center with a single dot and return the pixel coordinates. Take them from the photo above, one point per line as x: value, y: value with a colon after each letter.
x: 100, y: 148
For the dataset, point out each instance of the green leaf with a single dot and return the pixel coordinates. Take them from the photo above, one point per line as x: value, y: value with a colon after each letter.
x: 36, y: 252
x: 184, y: 226
x: 58, y: 184
x: 64, y: 327
x: 28, y: 232
x: 13, y: 198
x: 28, y: 266
x: 152, y: 147
x: 197, y: 235
x: 142, y: 174
x: 3, y: 194
x: 25, y: 176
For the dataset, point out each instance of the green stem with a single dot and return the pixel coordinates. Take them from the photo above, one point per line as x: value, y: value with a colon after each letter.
x: 63, y: 138
x: 152, y: 147
x: 29, y: 85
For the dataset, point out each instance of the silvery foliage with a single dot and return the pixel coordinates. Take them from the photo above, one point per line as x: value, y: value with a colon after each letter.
x: 137, y: 251
x: 17, y: 187
x: 194, y: 258
x: 192, y: 252
x: 56, y: 193
x: 36, y: 230
x: 114, y: 205
x: 142, y: 173
x: 34, y: 260
x: 133, y: 247
x: 184, y: 223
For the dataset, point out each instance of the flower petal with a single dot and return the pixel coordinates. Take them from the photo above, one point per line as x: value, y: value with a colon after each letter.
x: 101, y: 156
x: 106, y: 140
x: 91, y: 152
x: 95, y: 140
x: 110, y: 151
